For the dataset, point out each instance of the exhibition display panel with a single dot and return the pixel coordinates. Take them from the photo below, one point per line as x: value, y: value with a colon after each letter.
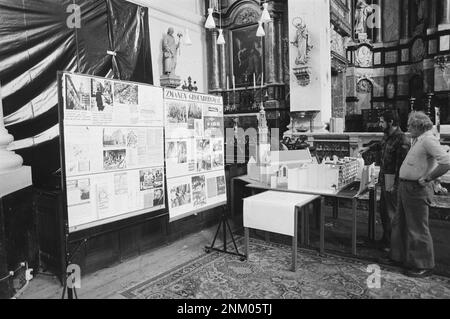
x: 112, y: 145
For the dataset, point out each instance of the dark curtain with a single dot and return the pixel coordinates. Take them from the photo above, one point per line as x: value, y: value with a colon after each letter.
x: 36, y: 42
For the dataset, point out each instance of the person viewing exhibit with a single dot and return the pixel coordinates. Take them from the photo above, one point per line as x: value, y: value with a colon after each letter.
x: 393, y: 149
x: 239, y: 149
x: 412, y: 244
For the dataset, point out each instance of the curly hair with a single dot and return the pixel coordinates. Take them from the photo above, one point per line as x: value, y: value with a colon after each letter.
x: 420, y: 122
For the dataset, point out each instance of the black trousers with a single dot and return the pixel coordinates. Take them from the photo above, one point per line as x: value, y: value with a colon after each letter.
x: 411, y: 241
x: 388, y: 208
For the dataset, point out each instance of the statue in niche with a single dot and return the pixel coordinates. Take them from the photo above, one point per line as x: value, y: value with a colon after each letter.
x: 363, y: 11
x: 170, y: 48
x: 301, y: 42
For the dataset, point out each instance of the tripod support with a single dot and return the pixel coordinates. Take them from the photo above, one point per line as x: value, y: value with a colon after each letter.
x: 71, y: 292
x: 225, y: 226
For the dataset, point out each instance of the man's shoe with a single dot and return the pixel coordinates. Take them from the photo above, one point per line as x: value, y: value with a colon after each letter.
x: 419, y: 273
x: 390, y: 262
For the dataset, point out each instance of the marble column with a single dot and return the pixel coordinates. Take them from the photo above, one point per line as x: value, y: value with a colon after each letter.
x: 405, y: 20
x: 13, y: 176
x: 378, y: 32
x: 269, y: 73
x: 279, y: 44
x: 223, y: 66
x: 444, y: 9
x: 432, y: 14
x: 214, y: 76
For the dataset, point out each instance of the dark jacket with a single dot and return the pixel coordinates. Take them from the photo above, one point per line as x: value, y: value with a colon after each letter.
x: 394, y: 149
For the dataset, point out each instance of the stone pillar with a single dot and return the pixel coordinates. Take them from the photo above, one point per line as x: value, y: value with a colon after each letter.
x: 378, y: 32
x: 432, y: 15
x: 214, y: 75
x: 444, y: 17
x: 270, y: 42
x: 405, y: 20
x: 279, y: 36
x: 13, y: 176
x: 313, y: 95
x: 223, y: 66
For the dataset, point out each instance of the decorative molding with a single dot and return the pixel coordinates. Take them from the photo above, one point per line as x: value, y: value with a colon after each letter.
x: 247, y: 16
x: 303, y: 75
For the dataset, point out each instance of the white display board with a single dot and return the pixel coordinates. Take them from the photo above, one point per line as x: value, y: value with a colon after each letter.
x: 194, y: 152
x: 113, y: 149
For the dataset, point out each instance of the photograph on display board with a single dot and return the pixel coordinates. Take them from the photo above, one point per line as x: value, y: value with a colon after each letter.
x: 151, y: 178
x: 114, y: 137
x: 78, y: 192
x: 176, y: 113
x: 204, y: 157
x: 182, y: 152
x: 114, y: 159
x: 213, y: 126
x: 158, y: 197
x: 132, y: 139
x: 78, y: 157
x: 221, y: 185
x: 101, y: 95
x: 199, y: 191
x: 78, y: 93
x: 103, y: 198
x: 172, y: 152
x: 217, y: 154
x: 126, y: 93
x: 180, y: 195
x: 120, y: 183
x: 194, y: 116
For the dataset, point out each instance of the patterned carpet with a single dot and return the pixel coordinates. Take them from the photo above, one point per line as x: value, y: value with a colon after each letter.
x: 266, y: 276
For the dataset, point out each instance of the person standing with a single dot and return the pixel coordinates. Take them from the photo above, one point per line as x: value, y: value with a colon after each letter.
x: 393, y: 148
x: 411, y: 241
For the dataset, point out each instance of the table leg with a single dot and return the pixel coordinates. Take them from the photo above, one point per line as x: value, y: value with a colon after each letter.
x: 373, y: 211
x: 294, y: 241
x: 336, y: 208
x: 307, y: 212
x: 302, y: 224
x: 354, y: 225
x: 247, y: 241
x: 233, y: 197
x: 321, y: 209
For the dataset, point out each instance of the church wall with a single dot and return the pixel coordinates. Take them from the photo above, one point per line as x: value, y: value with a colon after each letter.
x: 391, y: 20
x: 181, y: 15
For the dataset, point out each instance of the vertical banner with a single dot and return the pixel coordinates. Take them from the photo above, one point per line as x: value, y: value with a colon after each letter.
x: 194, y: 152
x: 113, y: 150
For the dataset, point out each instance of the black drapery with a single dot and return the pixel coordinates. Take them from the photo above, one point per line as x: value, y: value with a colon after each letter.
x: 36, y: 41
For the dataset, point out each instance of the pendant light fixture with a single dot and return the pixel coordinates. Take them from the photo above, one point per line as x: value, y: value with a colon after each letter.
x: 260, y: 32
x: 220, y: 38
x: 210, y: 24
x: 265, y: 17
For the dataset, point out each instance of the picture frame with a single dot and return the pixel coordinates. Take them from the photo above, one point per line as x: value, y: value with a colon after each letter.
x: 248, y: 55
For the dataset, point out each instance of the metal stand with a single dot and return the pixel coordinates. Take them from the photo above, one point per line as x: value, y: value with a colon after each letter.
x: 71, y: 292
x: 225, y: 225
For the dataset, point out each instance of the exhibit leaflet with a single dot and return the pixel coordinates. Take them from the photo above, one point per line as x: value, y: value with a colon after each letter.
x: 114, y: 149
x: 194, y: 152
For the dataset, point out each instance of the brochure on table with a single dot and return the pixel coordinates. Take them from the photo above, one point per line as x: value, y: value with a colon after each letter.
x: 113, y: 149
x: 194, y: 140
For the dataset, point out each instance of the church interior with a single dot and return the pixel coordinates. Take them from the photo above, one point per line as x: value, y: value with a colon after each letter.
x: 221, y: 149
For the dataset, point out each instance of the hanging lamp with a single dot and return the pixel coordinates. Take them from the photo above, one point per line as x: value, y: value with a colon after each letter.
x: 260, y: 32
x: 265, y: 17
x: 210, y: 24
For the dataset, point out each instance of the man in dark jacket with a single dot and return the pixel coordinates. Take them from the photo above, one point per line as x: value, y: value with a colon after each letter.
x: 394, y: 147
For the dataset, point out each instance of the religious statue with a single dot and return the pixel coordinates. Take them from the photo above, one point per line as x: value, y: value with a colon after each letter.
x: 363, y: 11
x: 301, y: 42
x: 170, y: 48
